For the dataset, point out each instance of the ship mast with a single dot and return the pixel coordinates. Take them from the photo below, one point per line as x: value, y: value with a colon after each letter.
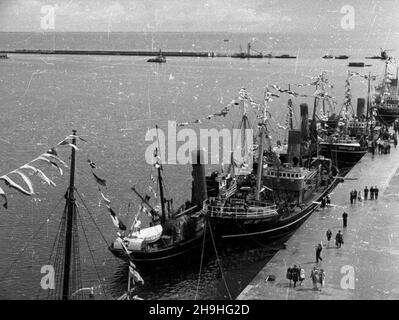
x: 160, y: 182
x: 262, y: 136
x: 69, y: 223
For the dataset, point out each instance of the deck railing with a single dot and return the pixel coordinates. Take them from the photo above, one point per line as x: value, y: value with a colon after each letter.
x: 253, y: 210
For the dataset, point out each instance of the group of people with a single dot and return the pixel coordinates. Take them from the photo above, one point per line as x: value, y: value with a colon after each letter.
x: 296, y: 274
x: 384, y: 147
x: 356, y: 195
x: 373, y: 193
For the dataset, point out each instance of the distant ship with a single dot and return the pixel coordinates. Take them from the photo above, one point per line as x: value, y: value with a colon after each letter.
x: 328, y: 56
x: 342, y: 57
x: 276, y: 197
x: 386, y: 97
x: 159, y: 59
x: 383, y: 55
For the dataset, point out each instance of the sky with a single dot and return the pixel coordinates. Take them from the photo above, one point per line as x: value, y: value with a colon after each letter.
x: 323, y: 16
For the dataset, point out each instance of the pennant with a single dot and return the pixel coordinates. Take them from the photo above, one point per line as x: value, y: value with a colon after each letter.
x: 106, y: 200
x: 10, y: 183
x: 91, y: 164
x: 99, y: 180
x: 135, y: 276
x: 2, y: 194
x: 117, y: 223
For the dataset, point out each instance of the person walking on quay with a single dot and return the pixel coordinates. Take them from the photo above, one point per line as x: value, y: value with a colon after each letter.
x: 376, y: 192
x: 371, y: 193
x: 345, y: 219
x: 351, y: 196
x: 301, y: 275
x: 359, y: 196
x: 319, y: 247
x: 328, y: 234
x: 314, y: 275
x: 322, y: 278
x: 323, y: 203
x: 295, y: 275
x: 354, y: 196
x: 289, y: 274
x: 339, y: 239
x: 395, y: 140
x: 366, y: 193
x: 328, y: 200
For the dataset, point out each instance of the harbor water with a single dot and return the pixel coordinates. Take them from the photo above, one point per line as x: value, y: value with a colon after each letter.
x: 112, y: 102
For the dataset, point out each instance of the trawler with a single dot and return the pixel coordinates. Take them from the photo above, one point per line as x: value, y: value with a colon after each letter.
x: 387, y: 97
x: 172, y: 233
x: 276, y: 196
x: 342, y: 135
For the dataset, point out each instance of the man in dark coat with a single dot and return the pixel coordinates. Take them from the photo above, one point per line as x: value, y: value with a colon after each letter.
x: 376, y: 192
x: 345, y: 218
x: 366, y: 193
x: 354, y: 196
x: 318, y: 252
x: 339, y: 239
x: 371, y: 193
x: 295, y: 275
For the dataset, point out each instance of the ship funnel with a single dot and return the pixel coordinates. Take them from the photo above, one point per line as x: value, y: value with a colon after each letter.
x: 361, y: 102
x: 294, y: 146
x: 199, y: 192
x: 304, y: 121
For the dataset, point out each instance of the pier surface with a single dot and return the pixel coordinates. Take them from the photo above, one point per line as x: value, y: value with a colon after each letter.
x: 370, y: 249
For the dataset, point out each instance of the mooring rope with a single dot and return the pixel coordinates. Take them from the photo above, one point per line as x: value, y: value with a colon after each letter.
x: 202, y: 258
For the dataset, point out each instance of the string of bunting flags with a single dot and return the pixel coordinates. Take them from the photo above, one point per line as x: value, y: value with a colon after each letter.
x: 50, y: 157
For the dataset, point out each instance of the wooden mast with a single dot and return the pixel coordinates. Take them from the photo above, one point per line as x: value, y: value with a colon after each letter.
x: 69, y: 223
x: 160, y: 182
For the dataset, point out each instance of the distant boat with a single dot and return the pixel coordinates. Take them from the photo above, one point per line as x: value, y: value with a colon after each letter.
x: 285, y: 56
x: 383, y: 55
x: 159, y: 59
x: 328, y: 56
x: 356, y: 64
x: 3, y: 56
x: 342, y: 56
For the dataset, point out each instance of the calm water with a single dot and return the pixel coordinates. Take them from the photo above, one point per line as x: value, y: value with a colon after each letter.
x: 113, y: 101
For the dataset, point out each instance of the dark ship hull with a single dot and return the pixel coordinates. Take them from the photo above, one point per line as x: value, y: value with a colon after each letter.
x: 164, y: 255
x: 387, y: 116
x: 343, y: 156
x: 269, y: 227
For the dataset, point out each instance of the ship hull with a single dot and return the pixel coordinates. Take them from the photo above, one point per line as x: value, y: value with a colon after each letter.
x: 268, y: 227
x: 343, y: 156
x: 164, y: 255
x: 387, y: 116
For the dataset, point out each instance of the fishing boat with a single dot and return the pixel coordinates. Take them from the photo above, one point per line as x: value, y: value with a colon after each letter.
x: 247, y: 55
x: 345, y: 140
x: 285, y: 56
x: 328, y: 56
x: 383, y: 55
x: 275, y: 197
x: 172, y: 233
x: 341, y: 57
x: 159, y: 59
x: 387, y: 97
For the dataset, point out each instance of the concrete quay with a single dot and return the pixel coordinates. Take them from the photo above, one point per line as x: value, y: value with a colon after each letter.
x: 367, y: 264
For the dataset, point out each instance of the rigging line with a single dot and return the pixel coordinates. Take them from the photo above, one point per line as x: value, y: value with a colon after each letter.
x: 91, y: 253
x: 202, y: 258
x: 91, y: 216
x: 218, y: 260
x: 28, y: 243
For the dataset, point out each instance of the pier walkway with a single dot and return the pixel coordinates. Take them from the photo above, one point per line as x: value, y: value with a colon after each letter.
x: 370, y: 252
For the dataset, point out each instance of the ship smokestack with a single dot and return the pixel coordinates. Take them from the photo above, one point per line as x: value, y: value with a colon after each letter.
x: 199, y: 192
x: 361, y: 108
x: 304, y: 121
x: 294, y: 146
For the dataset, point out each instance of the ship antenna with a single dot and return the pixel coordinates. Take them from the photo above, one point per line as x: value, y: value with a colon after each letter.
x: 69, y: 223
